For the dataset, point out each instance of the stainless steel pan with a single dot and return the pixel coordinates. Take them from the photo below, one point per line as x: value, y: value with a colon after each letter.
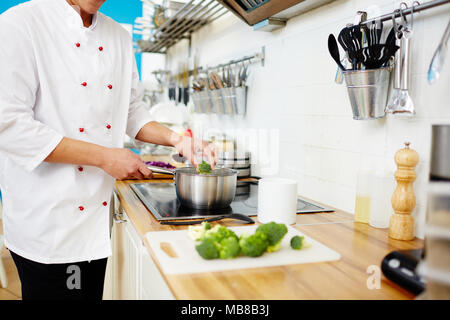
x: 203, y: 191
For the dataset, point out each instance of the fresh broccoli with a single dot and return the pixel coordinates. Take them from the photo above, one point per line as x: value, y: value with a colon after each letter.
x: 298, y: 243
x: 275, y: 233
x: 207, y: 249
x: 217, y: 242
x: 254, y: 245
x: 197, y: 232
x: 229, y: 248
x: 204, y: 168
x: 218, y: 233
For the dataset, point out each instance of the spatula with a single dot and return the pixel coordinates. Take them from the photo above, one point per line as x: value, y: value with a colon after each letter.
x: 334, y: 50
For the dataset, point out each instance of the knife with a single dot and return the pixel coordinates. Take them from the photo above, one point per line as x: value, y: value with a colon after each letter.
x: 237, y: 216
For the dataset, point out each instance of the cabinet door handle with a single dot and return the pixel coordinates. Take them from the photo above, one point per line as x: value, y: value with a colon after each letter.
x: 118, y: 218
x: 117, y: 213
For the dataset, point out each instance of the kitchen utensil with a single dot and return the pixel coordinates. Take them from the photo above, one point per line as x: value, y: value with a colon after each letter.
x: 188, y: 260
x: 367, y: 91
x: 440, y: 153
x: 179, y: 158
x: 216, y: 80
x: 346, y: 41
x: 373, y: 32
x: 236, y: 216
x: 438, y: 60
x: 401, y: 225
x: 405, y: 102
x: 203, y: 191
x: 392, y: 106
x: 243, y: 76
x: 277, y: 200
x: 334, y: 50
x: 376, y: 55
x: 401, y: 102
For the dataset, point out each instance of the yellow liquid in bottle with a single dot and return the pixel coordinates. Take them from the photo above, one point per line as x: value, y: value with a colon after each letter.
x: 362, y: 209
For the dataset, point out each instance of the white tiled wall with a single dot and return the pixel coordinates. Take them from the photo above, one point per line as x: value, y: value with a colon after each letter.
x: 320, y: 144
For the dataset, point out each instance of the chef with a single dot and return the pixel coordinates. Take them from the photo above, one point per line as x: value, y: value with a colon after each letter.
x: 68, y: 95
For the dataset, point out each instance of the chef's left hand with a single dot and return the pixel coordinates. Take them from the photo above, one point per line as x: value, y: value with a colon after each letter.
x: 190, y: 148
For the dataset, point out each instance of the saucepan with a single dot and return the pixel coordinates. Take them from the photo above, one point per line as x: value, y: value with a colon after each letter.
x: 203, y: 191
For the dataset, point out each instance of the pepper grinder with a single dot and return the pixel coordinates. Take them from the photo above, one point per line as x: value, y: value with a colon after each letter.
x: 401, y: 225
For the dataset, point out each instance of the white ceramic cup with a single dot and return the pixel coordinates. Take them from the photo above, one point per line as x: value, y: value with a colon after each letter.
x: 277, y: 200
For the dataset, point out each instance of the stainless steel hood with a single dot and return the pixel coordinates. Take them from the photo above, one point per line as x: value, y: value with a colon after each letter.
x: 257, y: 11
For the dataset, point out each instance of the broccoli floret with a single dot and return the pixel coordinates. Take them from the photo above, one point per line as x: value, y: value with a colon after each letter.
x: 198, y: 232
x: 298, y: 243
x: 218, y: 233
x: 217, y: 242
x: 254, y: 245
x: 204, y: 168
x: 275, y: 233
x: 207, y: 249
x: 229, y: 248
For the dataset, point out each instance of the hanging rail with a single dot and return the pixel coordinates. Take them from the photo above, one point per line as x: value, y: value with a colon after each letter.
x: 259, y: 56
x: 407, y: 11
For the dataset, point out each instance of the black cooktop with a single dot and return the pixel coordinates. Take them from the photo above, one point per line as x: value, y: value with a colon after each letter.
x: 161, y: 200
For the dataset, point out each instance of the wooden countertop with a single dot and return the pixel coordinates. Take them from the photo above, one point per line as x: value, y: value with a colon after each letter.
x: 359, y: 244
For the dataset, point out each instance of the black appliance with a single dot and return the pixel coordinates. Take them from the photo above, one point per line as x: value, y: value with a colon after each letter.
x: 400, y: 267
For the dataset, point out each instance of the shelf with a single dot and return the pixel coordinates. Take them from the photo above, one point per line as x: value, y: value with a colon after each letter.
x: 188, y: 19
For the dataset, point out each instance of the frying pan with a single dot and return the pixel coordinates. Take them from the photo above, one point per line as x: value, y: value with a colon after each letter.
x: 203, y: 191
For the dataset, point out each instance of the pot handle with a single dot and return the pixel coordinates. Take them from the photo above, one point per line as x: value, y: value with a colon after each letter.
x: 162, y: 170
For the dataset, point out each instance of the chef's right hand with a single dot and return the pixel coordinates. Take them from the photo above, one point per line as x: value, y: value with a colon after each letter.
x: 123, y: 164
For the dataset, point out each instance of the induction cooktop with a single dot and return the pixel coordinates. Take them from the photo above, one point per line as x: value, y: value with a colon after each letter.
x: 161, y: 200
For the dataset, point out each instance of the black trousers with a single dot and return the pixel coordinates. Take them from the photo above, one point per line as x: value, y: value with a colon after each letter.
x: 65, y: 281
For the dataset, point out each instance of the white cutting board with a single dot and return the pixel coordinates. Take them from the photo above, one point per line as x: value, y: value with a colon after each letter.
x: 189, y: 261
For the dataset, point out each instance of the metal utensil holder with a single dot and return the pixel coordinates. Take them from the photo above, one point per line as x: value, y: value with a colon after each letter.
x: 228, y: 101
x: 198, y: 102
x: 216, y: 100
x: 368, y: 92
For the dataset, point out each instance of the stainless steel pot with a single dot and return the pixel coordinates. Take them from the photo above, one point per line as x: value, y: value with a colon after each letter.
x: 203, y: 191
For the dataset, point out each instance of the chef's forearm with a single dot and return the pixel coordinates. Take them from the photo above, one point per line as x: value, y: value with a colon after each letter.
x: 154, y: 132
x: 77, y: 152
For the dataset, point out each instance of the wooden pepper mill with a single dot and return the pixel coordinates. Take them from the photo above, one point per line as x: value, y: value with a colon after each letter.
x: 401, y: 225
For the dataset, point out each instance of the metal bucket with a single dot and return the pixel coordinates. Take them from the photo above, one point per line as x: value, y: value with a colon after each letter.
x: 368, y: 92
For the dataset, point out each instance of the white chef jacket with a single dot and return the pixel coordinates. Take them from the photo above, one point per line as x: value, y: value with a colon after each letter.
x: 59, y: 79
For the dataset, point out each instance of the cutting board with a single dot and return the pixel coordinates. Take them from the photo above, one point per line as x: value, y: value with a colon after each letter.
x: 176, y: 253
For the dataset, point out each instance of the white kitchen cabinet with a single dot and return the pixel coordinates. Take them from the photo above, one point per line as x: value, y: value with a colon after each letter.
x: 131, y: 272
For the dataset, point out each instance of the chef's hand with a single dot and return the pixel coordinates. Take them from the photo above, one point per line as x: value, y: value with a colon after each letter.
x: 123, y: 164
x: 189, y: 148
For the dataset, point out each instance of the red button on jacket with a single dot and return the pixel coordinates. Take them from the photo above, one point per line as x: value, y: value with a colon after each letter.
x: 80, y: 169
x: 110, y: 87
x: 108, y: 126
x: 78, y: 44
x: 84, y: 84
x: 81, y: 208
x: 100, y: 48
x: 81, y: 129
x: 105, y: 203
